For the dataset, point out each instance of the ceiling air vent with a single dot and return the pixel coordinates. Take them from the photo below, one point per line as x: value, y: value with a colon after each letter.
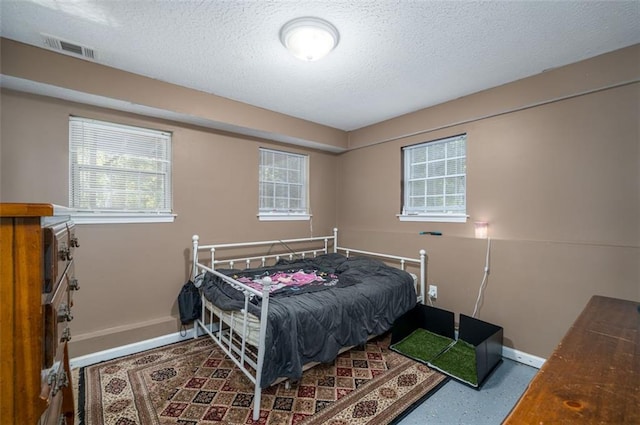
x: 68, y: 47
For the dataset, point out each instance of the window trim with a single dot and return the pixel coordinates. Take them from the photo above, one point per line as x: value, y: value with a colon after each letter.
x: 274, y: 216
x: 281, y: 215
x: 436, y: 217
x: 99, y: 216
x: 96, y: 217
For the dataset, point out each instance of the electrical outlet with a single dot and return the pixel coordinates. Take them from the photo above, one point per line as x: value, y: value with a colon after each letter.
x: 433, y: 291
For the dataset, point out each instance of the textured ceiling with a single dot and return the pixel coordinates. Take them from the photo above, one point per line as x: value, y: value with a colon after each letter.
x: 394, y: 57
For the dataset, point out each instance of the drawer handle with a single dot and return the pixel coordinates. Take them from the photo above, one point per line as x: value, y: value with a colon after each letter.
x: 66, y: 335
x: 74, y: 242
x: 64, y: 313
x: 57, y: 381
x: 74, y: 285
x: 65, y: 254
x: 52, y: 380
x: 63, y: 380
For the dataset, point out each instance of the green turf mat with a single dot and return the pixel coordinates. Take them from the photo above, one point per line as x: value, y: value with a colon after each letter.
x: 459, y: 361
x: 455, y: 358
x: 422, y: 345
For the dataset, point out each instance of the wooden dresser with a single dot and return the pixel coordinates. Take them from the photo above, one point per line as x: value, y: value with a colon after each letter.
x: 36, y: 287
x: 593, y: 376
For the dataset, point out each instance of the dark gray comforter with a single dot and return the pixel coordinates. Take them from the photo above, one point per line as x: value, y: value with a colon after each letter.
x: 312, y: 326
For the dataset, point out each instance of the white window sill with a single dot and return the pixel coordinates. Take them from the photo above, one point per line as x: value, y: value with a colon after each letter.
x: 434, y: 218
x: 283, y: 217
x: 120, y: 217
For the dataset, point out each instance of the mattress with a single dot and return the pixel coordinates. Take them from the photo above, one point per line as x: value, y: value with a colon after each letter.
x: 234, y: 319
x: 355, y: 298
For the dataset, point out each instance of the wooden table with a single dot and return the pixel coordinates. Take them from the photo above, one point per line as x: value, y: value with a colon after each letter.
x: 593, y: 376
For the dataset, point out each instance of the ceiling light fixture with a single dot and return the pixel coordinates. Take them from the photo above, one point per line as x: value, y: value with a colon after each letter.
x: 309, y: 39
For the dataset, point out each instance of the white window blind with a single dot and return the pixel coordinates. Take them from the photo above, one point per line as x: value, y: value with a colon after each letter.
x: 283, y: 184
x: 435, y: 179
x: 118, y: 169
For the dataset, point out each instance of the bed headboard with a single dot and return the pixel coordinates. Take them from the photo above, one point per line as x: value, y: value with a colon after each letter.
x: 302, y: 247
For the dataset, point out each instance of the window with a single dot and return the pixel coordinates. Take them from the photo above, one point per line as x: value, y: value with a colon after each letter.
x: 435, y: 176
x: 118, y: 173
x: 283, y: 186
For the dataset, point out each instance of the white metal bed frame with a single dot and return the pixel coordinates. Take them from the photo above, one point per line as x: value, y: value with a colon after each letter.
x: 234, y: 343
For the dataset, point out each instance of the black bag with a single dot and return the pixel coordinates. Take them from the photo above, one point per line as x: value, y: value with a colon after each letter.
x: 189, y: 303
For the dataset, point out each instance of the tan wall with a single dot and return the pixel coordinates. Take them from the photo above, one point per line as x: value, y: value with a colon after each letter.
x: 130, y: 274
x: 606, y: 70
x: 65, y: 72
x: 559, y: 184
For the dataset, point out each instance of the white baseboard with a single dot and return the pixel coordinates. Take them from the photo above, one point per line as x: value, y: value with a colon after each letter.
x: 518, y: 356
x: 125, y: 350
x: 522, y: 357
x: 137, y: 347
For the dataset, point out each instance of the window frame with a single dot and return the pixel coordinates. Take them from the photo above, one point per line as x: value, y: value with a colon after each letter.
x: 275, y: 214
x: 442, y: 215
x: 82, y: 215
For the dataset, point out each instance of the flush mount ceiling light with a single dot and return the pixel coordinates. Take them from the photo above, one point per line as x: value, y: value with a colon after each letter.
x: 309, y: 39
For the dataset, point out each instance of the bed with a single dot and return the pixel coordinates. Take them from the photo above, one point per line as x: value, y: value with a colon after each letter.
x: 277, y: 314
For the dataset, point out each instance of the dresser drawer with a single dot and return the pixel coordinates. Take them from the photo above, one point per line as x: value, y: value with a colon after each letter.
x: 57, y: 315
x: 59, y: 244
x: 53, y: 415
x: 56, y: 388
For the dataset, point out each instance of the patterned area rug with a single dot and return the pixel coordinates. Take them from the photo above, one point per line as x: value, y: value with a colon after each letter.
x: 193, y: 383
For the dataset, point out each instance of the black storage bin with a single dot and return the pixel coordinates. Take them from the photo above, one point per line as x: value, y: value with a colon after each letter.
x: 484, y: 336
x: 487, y: 338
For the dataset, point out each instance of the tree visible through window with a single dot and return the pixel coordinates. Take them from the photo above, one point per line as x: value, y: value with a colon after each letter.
x: 435, y: 176
x: 118, y: 168
x: 283, y: 183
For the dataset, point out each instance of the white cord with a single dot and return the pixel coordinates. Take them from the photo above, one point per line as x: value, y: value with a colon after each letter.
x: 484, y: 279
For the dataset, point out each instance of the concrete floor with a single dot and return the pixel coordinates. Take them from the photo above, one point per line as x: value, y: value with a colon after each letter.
x: 459, y: 404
